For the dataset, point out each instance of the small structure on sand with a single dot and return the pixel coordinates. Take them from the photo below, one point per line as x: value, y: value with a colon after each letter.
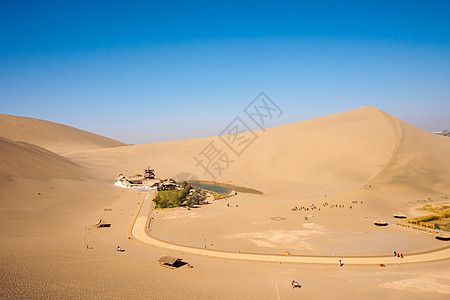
x: 380, y: 222
x: 278, y: 218
x: 400, y: 215
x: 169, y: 262
x: 101, y: 224
x: 443, y: 236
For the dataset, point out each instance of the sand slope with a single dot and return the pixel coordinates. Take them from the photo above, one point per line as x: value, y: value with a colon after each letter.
x: 421, y: 161
x: 29, y: 172
x: 24, y: 160
x: 329, y: 155
x: 52, y: 136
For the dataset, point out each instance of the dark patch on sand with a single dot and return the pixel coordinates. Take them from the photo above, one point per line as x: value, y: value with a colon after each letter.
x: 230, y: 187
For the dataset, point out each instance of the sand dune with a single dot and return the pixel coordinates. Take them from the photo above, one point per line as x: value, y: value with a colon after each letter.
x: 25, y: 160
x: 421, y: 161
x: 55, y: 137
x: 329, y: 155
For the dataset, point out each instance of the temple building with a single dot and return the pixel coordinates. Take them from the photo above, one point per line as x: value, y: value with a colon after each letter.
x: 148, y: 181
x: 149, y: 173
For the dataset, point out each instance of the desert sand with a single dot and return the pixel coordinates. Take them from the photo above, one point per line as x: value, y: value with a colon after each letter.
x: 52, y: 136
x: 56, y: 182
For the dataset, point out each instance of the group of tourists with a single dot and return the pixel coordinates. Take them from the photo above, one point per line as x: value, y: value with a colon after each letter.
x: 398, y: 254
x: 304, y: 208
x: 325, y: 204
x: 337, y: 206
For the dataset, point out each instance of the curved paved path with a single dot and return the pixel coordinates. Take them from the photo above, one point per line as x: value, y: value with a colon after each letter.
x: 141, y: 222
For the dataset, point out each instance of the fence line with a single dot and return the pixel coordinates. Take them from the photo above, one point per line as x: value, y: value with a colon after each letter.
x: 429, y: 228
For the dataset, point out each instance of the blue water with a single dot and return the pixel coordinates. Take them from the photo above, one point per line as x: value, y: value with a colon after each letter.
x: 211, y: 187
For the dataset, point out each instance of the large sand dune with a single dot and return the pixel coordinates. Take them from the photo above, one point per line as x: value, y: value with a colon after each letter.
x: 329, y: 155
x: 53, y: 136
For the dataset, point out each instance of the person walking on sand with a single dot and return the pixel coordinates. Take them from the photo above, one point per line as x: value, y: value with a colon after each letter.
x: 118, y: 249
x: 395, y: 253
x: 401, y: 255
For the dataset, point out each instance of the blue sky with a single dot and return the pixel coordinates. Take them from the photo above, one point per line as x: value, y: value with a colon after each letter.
x: 186, y: 69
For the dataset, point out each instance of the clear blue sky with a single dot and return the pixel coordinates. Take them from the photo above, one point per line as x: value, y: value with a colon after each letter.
x: 186, y: 69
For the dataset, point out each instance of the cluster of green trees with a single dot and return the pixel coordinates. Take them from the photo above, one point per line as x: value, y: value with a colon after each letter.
x: 187, y: 196
x: 168, y: 199
x: 196, y: 198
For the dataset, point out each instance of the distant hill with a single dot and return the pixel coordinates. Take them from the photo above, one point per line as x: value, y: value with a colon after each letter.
x: 52, y: 136
x: 329, y: 155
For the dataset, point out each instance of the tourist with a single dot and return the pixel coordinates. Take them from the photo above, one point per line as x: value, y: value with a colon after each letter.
x: 401, y: 255
x: 395, y: 253
x: 118, y: 249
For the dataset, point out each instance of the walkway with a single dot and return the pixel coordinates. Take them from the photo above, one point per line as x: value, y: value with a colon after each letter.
x: 141, y: 223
